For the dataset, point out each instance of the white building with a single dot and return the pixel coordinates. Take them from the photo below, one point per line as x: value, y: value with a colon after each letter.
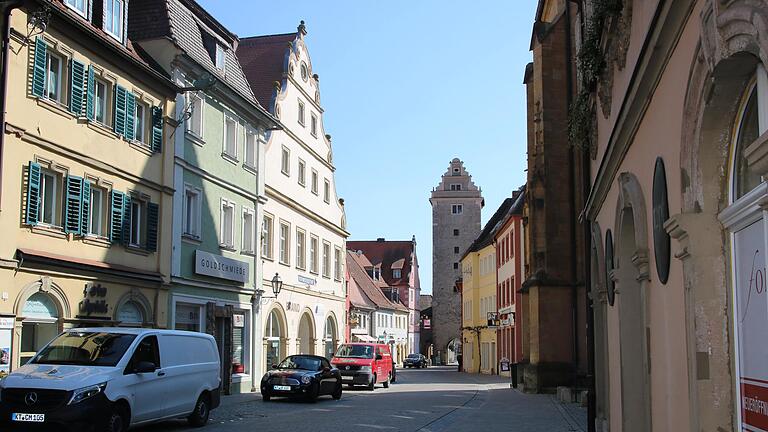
x: 303, y: 222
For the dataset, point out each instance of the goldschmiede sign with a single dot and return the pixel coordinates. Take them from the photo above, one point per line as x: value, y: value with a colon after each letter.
x: 217, y: 266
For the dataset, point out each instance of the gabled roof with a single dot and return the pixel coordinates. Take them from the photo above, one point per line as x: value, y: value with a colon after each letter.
x: 264, y: 60
x: 486, y: 235
x: 386, y: 253
x: 366, y: 285
x: 425, y: 301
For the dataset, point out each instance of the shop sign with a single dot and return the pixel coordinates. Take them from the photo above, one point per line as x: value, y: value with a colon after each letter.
x: 6, y: 323
x: 293, y: 306
x: 238, y: 320
x: 95, y: 299
x: 427, y: 323
x: 505, y: 364
x: 319, y: 310
x: 217, y: 266
x: 751, y: 322
x: 307, y: 280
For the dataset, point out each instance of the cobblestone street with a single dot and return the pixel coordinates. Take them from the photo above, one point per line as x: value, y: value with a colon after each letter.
x: 432, y: 400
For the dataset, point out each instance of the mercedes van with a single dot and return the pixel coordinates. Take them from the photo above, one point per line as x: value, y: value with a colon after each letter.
x: 364, y: 364
x: 109, y: 379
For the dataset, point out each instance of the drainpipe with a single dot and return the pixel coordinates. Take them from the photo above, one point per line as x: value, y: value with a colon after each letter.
x: 6, y: 48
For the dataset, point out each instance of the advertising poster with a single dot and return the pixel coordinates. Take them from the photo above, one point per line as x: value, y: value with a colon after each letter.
x: 6, y: 327
x: 751, y: 321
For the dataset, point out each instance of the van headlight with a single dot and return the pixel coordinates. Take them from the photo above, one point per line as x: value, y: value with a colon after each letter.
x: 365, y: 368
x: 84, y: 393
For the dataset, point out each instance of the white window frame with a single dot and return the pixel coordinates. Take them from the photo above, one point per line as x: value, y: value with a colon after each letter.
x: 121, y: 30
x: 250, y: 156
x: 140, y: 122
x: 228, y: 151
x: 135, y: 239
x: 186, y: 229
x: 56, y: 213
x: 285, y: 161
x: 72, y: 4
x: 96, y: 212
x: 326, y: 256
x: 457, y: 209
x: 315, y: 182
x: 313, y: 124
x: 267, y: 239
x: 301, y: 113
x: 301, y: 249
x: 302, y: 173
x: 284, y: 241
x: 397, y: 273
x: 197, y: 111
x: 337, y: 263
x: 227, y: 243
x: 101, y: 107
x: 59, y: 74
x: 314, y: 254
x: 221, y: 57
x: 327, y: 191
x: 246, y: 247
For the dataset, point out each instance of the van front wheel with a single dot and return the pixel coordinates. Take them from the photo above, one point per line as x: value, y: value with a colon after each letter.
x: 117, y: 420
x: 199, y: 416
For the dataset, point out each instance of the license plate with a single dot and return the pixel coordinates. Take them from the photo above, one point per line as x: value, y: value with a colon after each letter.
x: 21, y: 417
x: 282, y: 388
x: 347, y: 378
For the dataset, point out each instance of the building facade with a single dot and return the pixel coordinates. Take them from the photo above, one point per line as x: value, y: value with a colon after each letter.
x: 456, y: 206
x: 303, y: 225
x: 86, y: 200
x: 218, y: 169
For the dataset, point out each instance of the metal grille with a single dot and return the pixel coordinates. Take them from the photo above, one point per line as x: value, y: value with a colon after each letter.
x: 46, y: 399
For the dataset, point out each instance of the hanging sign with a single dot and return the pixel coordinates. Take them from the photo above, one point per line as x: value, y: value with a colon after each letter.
x: 661, y: 240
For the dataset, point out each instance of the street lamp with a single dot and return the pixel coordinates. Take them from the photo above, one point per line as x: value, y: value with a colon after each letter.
x: 277, y: 284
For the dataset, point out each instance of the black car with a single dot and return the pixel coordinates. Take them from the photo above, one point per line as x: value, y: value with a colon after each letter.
x: 415, y: 360
x: 305, y: 376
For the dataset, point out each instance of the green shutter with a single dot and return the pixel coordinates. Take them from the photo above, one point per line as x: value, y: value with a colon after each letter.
x: 86, y: 209
x: 153, y: 218
x: 38, y: 69
x: 130, y: 116
x: 33, y: 194
x: 127, y: 219
x: 77, y: 87
x: 73, y: 204
x: 157, y: 129
x: 116, y: 217
x: 119, y: 119
x: 90, y: 98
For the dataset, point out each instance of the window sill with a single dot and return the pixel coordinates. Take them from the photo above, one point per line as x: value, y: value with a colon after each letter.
x: 250, y: 168
x: 314, y: 273
x: 137, y: 250
x: 248, y: 253
x: 284, y: 264
x: 229, y: 248
x: 301, y: 268
x: 102, y: 129
x: 55, y: 107
x: 96, y: 240
x: 304, y: 185
x: 195, y: 138
x: 50, y: 231
x: 285, y: 173
x: 191, y: 239
x: 326, y: 277
x: 268, y: 258
x: 229, y: 158
x: 141, y: 147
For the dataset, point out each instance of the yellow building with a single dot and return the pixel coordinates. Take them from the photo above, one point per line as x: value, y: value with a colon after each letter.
x: 479, y: 299
x: 87, y: 184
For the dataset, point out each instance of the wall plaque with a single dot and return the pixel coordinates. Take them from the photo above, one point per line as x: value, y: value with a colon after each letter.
x: 661, y: 240
x: 610, y: 285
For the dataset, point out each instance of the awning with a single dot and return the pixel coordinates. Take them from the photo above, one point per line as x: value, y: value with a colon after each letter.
x: 365, y: 338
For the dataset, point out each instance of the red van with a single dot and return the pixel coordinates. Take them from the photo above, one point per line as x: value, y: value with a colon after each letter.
x: 364, y: 364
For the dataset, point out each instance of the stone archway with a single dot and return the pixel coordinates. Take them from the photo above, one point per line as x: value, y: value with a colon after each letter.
x: 305, y: 339
x: 598, y: 294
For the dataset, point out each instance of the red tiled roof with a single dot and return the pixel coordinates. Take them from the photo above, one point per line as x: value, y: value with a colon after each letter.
x: 367, y: 286
x: 386, y: 253
x: 264, y: 60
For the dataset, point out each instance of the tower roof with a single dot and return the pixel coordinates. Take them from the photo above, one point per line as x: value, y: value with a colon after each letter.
x: 456, y: 182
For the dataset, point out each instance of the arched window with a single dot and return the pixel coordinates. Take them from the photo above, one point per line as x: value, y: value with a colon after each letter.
x: 130, y: 313
x: 748, y: 129
x: 273, y: 336
x: 330, y: 337
x: 40, y: 325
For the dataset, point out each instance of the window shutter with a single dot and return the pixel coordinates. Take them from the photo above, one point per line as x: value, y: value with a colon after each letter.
x: 157, y: 129
x: 153, y: 218
x: 86, y: 208
x: 119, y: 120
x: 73, y: 205
x: 90, y: 98
x: 33, y: 194
x: 130, y: 116
x: 116, y: 217
x: 126, y: 219
x: 38, y: 69
x: 77, y: 83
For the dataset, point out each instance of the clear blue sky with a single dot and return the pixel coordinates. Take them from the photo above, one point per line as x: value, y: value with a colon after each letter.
x: 407, y: 85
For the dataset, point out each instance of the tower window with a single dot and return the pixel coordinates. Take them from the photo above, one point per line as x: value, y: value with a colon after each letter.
x: 455, y: 249
x: 457, y: 209
x: 455, y: 232
x: 455, y: 266
x: 456, y: 187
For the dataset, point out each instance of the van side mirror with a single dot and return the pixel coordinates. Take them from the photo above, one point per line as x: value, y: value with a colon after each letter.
x: 326, y: 370
x: 144, y: 367
x: 379, y: 357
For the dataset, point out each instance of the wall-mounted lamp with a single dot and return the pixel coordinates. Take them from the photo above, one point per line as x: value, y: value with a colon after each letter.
x: 277, y: 284
x: 38, y: 22
x: 204, y: 83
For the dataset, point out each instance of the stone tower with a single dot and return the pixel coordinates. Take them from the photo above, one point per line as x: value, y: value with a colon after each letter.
x: 456, y: 206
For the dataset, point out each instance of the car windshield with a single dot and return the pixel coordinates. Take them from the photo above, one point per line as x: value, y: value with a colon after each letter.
x: 355, y: 351
x: 300, y: 362
x: 85, y: 348
x: 413, y: 356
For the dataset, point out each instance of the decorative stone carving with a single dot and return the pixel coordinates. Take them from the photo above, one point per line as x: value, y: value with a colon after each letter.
x: 619, y: 29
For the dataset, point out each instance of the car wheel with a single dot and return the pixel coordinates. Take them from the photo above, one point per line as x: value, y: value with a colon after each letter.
x: 389, y: 378
x: 337, y: 393
x: 266, y: 397
x: 313, y: 392
x: 117, y: 420
x: 202, y: 411
x: 372, y: 384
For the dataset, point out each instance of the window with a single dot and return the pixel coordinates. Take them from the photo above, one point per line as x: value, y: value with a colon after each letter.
x: 50, y: 193
x: 302, y: 173
x: 101, y: 93
x: 285, y: 162
x: 192, y: 203
x: 249, y: 218
x: 266, y: 237
x: 250, y: 149
x: 227, y: 224
x: 314, y: 244
x: 136, y: 222
x: 80, y: 6
x: 285, y: 246
x: 187, y: 317
x: 337, y: 264
x: 195, y: 121
x: 230, y: 137
x: 113, y: 18
x: 397, y: 273
x: 457, y: 209
x: 240, y: 343
x: 455, y: 266
x: 327, y: 191
x: 313, y: 124
x: 140, y: 122
x: 301, y: 113
x: 53, y: 82
x: 304, y: 71
x: 96, y: 213
x: 220, y: 57
x: 455, y: 233
x: 456, y: 187
x: 314, y: 182
x: 326, y: 259
x: 301, y: 260
x: 746, y: 178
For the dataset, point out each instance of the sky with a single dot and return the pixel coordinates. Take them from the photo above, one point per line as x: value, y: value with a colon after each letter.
x: 407, y: 85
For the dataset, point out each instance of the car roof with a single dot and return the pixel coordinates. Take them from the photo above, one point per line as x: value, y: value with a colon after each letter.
x: 307, y: 355
x: 136, y: 331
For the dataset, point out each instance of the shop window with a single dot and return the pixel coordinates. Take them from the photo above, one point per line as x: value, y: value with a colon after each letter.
x: 273, y: 335
x: 187, y: 317
x: 130, y: 314
x: 39, y: 326
x: 330, y: 337
x: 239, y: 343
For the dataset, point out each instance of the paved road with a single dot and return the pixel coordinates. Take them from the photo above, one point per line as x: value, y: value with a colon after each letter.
x: 431, y: 400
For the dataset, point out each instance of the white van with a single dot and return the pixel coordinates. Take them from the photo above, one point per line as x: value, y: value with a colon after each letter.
x: 108, y: 379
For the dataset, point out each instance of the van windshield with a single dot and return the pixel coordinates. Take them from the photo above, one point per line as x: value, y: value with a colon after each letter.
x: 355, y: 351
x: 85, y: 349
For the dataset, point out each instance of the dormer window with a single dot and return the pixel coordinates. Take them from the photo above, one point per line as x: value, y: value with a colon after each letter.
x: 113, y: 18
x: 220, y: 57
x: 80, y: 6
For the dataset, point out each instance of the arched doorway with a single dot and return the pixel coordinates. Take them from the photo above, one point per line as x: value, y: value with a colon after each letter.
x: 274, y: 336
x: 40, y: 324
x: 306, y: 337
x: 452, y: 351
x: 331, y: 340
